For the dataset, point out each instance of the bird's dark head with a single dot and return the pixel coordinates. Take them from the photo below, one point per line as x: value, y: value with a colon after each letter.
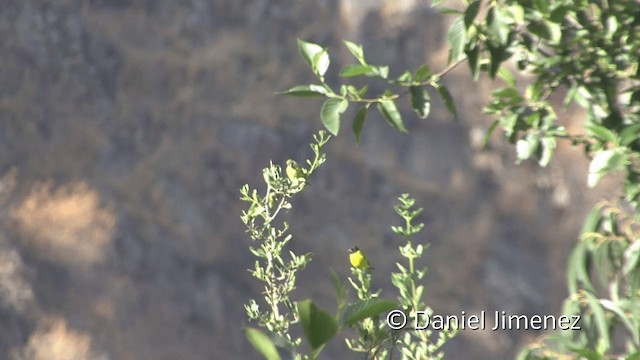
x: 353, y: 249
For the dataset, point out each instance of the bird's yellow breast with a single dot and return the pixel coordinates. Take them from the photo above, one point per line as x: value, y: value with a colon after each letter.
x: 358, y: 260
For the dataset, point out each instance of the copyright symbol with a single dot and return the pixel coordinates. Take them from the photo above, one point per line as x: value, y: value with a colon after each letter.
x: 396, y: 320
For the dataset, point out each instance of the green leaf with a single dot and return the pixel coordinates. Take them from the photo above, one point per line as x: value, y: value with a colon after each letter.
x: 497, y: 28
x: 457, y: 36
x: 540, y: 29
x: 471, y: 12
x: 450, y: 11
x: 367, y: 308
x: 629, y: 134
x: 615, y: 308
x: 340, y: 291
x: 578, y: 268
x: 490, y: 131
x: 526, y: 147
x: 363, y: 91
x: 509, y: 95
x: 356, y: 50
x: 318, y: 325
x: 390, y: 112
x: 601, y: 322
x: 632, y: 258
x: 262, y: 343
x: 309, y: 51
x: 420, y: 101
x: 600, y: 258
x: 357, y: 70
x: 603, y: 133
x: 593, y: 221
x: 311, y: 90
x: 571, y: 94
x: 358, y: 121
x: 406, y: 77
x: 448, y: 101
x: 497, y: 55
x: 474, y: 64
x: 381, y: 71
x: 606, y: 161
x: 330, y: 114
x: 548, y: 147
x: 506, y: 76
x: 321, y: 62
x: 423, y: 73
x: 558, y: 14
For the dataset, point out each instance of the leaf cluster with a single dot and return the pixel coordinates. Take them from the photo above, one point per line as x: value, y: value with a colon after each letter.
x: 414, y: 84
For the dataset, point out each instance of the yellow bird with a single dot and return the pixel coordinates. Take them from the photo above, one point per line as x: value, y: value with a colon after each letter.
x: 357, y: 259
x: 293, y: 170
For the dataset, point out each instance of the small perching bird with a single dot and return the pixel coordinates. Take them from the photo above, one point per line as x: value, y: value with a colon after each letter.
x: 358, y: 259
x: 294, y: 172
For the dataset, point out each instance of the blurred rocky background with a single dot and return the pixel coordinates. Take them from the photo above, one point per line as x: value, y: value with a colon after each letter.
x: 128, y: 126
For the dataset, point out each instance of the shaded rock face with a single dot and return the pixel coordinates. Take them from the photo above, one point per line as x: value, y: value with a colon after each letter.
x: 127, y: 127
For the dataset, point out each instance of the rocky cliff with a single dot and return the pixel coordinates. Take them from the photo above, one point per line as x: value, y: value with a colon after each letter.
x: 128, y: 126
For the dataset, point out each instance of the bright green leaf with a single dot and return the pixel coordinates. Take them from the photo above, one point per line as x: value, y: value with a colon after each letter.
x: 321, y: 62
x: 603, y: 133
x: 390, y: 112
x: 498, y: 28
x: 506, y: 76
x: 548, y: 147
x: 262, y: 343
x: 356, y: 50
x: 420, y: 101
x: 306, y: 91
x: 517, y: 13
x: 526, y: 147
x: 309, y: 51
x: 381, y: 71
x: 318, y: 325
x: 404, y: 78
x: 606, y: 161
x: 330, y: 114
x: 357, y: 70
x: 457, y: 36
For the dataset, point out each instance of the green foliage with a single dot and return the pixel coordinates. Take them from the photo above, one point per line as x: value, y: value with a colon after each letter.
x: 587, y: 51
x: 414, y: 344
x: 262, y: 343
x: 609, y: 301
x: 319, y: 326
x: 591, y: 52
x: 415, y: 84
x: 375, y: 338
x: 274, y: 267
